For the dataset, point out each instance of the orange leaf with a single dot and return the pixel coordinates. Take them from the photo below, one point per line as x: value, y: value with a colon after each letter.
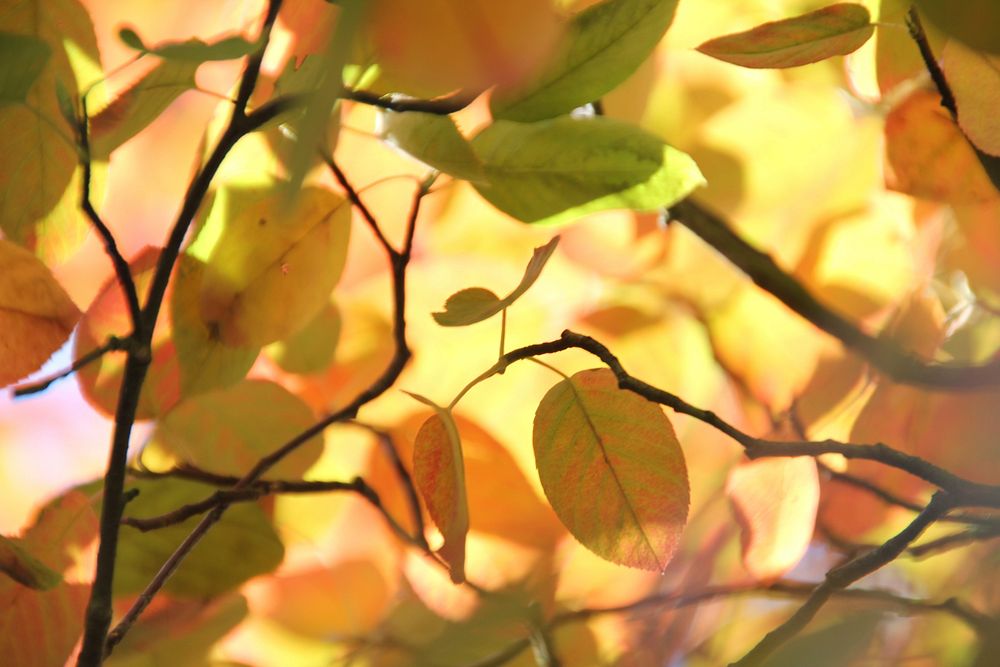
x: 832, y: 31
x: 974, y: 78
x: 612, y: 469
x: 36, y: 314
x: 775, y: 502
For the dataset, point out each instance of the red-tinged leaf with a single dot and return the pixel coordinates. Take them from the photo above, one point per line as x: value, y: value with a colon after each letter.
x: 21, y: 566
x: 832, y: 31
x: 36, y: 314
x: 612, y: 469
x: 40, y: 628
x: 439, y: 474
x: 775, y: 502
x: 929, y: 156
x: 475, y: 304
x: 974, y: 78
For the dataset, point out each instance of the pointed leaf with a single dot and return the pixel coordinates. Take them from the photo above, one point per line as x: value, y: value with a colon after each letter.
x: 476, y: 304
x: 432, y: 139
x: 557, y: 170
x: 270, y: 268
x: 775, y: 501
x: 243, y: 544
x: 36, y: 314
x: 612, y: 469
x: 22, y: 59
x: 603, y: 46
x: 140, y: 105
x: 439, y: 474
x: 21, y: 566
x: 227, y: 431
x: 831, y: 31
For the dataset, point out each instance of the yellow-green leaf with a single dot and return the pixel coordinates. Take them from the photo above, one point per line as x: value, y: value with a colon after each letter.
x: 831, y: 31
x: 36, y: 314
x: 192, y: 50
x: 271, y: 267
x: 612, y: 469
x: 432, y: 139
x: 476, y: 304
x: 22, y: 59
x: 311, y: 348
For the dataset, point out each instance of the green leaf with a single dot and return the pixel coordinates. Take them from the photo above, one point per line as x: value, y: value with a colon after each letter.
x: 66, y: 105
x: 311, y: 348
x: 192, y: 50
x: 604, y: 44
x: 557, y: 170
x: 228, y: 430
x: 138, y: 106
x: 242, y: 545
x: 131, y: 39
x: 831, y: 31
x: 18, y: 564
x: 839, y: 644
x: 432, y: 139
x: 476, y: 304
x: 22, y: 59
x: 612, y: 469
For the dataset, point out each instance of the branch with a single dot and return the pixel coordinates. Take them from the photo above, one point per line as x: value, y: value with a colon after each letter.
x: 355, y: 199
x: 114, y: 344
x: 916, y: 29
x: 954, y: 540
x: 881, y: 353
x: 441, y: 106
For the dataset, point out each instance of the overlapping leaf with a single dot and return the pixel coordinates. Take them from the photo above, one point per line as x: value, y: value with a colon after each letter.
x: 603, y: 45
x: 476, y: 304
x: 974, y: 78
x: 831, y: 31
x: 612, y: 469
x: 36, y: 314
x: 432, y: 139
x: 557, y: 170
x: 192, y: 50
x: 311, y: 348
x: 973, y: 22
x: 20, y: 565
x: 22, y: 59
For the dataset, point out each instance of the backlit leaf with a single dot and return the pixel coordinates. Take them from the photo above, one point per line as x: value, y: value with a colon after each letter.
x: 22, y: 59
x: 775, y: 502
x: 270, y: 268
x: 36, y: 314
x: 227, y: 431
x: 193, y: 50
x: 557, y: 170
x: 432, y: 139
x: 20, y: 565
x: 241, y: 545
x: 476, y: 304
x: 974, y: 78
x: 612, y: 469
x: 831, y: 31
x: 140, y: 105
x: 439, y: 474
x: 604, y: 44
x: 974, y: 22
x: 311, y: 348
x: 40, y: 628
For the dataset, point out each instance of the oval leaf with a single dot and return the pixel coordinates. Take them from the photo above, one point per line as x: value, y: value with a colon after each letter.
x: 476, y: 304
x: 831, y: 31
x: 36, y: 314
x: 432, y: 139
x: 974, y: 78
x: 603, y: 46
x: 311, y: 348
x: 612, y: 469
x: 775, y: 501
x: 22, y: 59
x: 557, y: 170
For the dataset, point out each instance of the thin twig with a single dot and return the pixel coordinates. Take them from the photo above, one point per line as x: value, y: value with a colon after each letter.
x: 954, y: 540
x: 113, y: 344
x: 916, y: 29
x: 441, y: 106
x: 355, y: 199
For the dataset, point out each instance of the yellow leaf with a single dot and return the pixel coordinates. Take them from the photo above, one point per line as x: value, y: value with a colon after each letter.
x: 974, y: 78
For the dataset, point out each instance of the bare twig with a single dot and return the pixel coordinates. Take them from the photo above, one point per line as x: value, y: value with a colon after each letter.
x: 954, y: 540
x: 113, y: 344
x: 441, y: 106
x: 930, y: 62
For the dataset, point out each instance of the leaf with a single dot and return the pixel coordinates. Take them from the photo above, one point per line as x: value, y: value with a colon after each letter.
x: 843, y: 642
x: 40, y: 628
x: 973, y: 22
x: 311, y: 348
x: 974, y: 78
x: 831, y: 31
x: 240, y: 546
x: 476, y: 304
x: 227, y: 431
x: 557, y: 170
x: 270, y: 268
x: 432, y: 139
x: 36, y: 314
x: 138, y: 106
x: 775, y: 502
x: 192, y: 50
x: 612, y: 469
x: 22, y: 59
x: 439, y: 474
x: 18, y: 564
x: 603, y: 45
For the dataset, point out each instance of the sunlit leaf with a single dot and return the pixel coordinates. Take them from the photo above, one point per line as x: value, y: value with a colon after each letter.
x: 40, y: 628
x: 228, y: 430
x: 603, y: 45
x: 139, y: 105
x: 241, y: 545
x: 476, y: 304
x: 841, y: 643
x: 193, y: 50
x: 270, y: 268
x: 432, y: 139
x: 775, y: 502
x: 20, y: 565
x: 36, y: 314
x: 974, y: 22
x: 22, y: 59
x: 558, y: 170
x: 311, y: 348
x: 439, y: 474
x: 612, y: 469
x: 831, y: 31
x: 974, y: 78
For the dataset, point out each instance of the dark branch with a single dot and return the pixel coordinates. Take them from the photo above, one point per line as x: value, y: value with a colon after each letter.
x: 441, y: 106
x: 916, y: 29
x: 114, y: 344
